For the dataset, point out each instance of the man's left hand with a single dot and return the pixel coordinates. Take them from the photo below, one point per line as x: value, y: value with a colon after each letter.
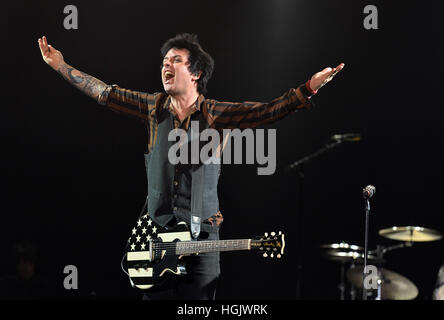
x: 321, y: 78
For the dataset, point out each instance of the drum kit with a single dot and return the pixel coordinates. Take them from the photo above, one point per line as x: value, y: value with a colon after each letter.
x: 389, y: 284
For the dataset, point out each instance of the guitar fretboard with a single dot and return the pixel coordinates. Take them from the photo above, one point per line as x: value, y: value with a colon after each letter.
x: 189, y: 247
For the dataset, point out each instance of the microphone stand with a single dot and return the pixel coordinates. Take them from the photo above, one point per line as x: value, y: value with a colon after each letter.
x: 367, y: 211
x: 326, y: 147
x: 299, y: 165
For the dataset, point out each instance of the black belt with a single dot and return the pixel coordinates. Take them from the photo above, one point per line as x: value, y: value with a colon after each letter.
x: 208, y: 227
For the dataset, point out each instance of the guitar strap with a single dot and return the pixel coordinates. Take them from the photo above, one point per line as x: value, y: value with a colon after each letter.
x: 143, y: 212
x: 197, y: 185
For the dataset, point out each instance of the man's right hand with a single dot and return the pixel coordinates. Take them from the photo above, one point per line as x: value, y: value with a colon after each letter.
x: 50, y: 55
x: 87, y: 84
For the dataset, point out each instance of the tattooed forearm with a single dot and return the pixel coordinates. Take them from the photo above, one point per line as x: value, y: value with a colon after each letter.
x: 89, y: 85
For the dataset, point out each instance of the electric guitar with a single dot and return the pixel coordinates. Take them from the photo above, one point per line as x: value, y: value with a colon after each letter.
x: 153, y: 251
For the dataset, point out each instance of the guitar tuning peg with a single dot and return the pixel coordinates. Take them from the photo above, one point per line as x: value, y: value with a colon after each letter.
x: 272, y: 255
x: 280, y: 232
x: 273, y: 234
x: 266, y: 234
x: 265, y: 255
x: 278, y: 256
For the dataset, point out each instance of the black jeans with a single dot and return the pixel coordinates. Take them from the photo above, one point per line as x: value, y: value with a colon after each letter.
x: 200, y: 282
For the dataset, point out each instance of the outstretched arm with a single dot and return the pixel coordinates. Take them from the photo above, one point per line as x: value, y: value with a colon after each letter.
x: 89, y: 85
x: 228, y: 115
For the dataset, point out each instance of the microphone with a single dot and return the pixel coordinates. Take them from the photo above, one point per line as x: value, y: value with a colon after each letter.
x: 353, y: 137
x: 368, y: 191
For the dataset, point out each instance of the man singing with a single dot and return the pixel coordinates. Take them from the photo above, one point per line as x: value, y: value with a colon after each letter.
x: 172, y: 196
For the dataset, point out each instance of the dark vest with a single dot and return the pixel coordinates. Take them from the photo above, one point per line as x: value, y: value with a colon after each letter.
x: 160, y: 174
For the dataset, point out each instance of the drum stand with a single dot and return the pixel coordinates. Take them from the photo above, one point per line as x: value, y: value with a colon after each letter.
x: 342, y: 281
x: 352, y: 288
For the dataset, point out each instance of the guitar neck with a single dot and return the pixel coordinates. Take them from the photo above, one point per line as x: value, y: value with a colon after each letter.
x: 189, y: 247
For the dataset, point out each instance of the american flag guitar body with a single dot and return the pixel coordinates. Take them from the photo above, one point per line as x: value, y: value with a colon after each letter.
x: 153, y: 251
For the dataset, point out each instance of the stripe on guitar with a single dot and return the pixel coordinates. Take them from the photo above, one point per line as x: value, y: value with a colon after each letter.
x: 143, y: 282
x: 138, y: 255
x: 144, y: 287
x: 171, y: 236
x: 140, y: 272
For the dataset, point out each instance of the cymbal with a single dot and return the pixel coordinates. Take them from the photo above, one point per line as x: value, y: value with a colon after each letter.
x: 410, y: 234
x: 394, y: 286
x: 439, y: 293
x: 342, y: 246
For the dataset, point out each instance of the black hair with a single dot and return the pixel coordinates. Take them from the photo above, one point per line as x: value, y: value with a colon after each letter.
x: 199, y: 59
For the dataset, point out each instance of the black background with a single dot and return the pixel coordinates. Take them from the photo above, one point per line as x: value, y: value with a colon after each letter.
x: 73, y: 178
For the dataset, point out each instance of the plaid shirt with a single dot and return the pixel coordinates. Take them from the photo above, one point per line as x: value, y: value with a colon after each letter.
x: 220, y: 115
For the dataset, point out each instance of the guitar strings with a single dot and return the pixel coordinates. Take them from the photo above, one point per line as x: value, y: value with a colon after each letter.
x: 169, y: 245
x: 201, y: 245
x: 175, y: 253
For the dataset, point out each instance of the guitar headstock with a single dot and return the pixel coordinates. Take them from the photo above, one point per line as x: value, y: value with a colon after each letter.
x: 272, y: 245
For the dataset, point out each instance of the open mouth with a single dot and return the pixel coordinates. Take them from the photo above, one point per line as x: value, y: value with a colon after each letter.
x: 168, y: 76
